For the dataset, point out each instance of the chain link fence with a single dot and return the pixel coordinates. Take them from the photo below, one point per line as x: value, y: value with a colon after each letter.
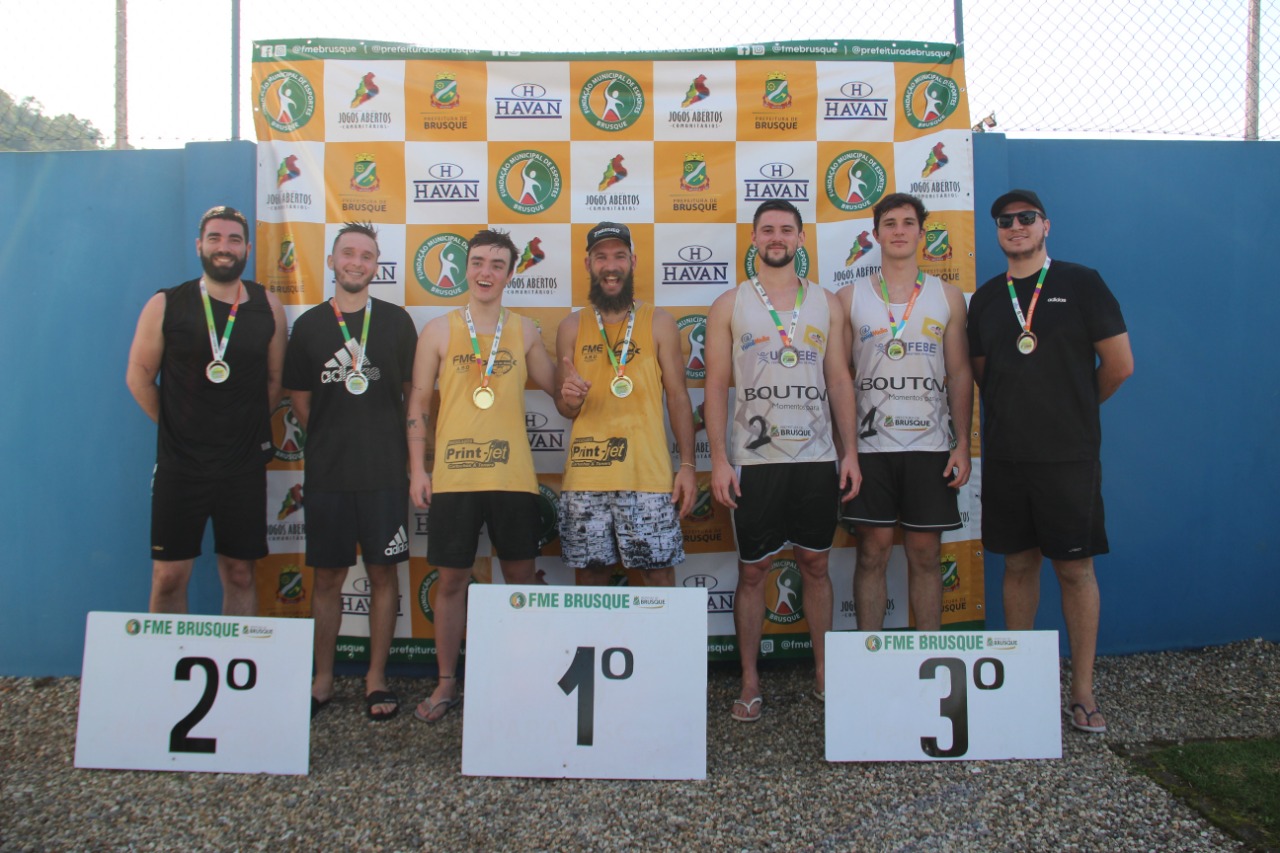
x: 1093, y: 67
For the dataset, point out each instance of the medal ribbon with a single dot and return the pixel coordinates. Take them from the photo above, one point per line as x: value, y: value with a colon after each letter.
x: 785, y: 334
x: 895, y: 330
x: 364, y: 333
x: 1025, y: 322
x: 487, y: 370
x: 219, y: 349
x: 618, y: 367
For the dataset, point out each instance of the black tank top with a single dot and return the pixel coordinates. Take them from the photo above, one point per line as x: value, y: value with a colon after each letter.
x: 206, y: 429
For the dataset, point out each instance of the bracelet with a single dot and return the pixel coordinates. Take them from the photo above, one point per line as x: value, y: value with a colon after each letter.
x: 690, y: 464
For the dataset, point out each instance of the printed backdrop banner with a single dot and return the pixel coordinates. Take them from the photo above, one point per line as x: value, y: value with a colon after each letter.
x: 433, y: 145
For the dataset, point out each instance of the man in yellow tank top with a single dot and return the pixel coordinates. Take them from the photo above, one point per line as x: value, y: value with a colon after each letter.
x: 480, y: 356
x: 615, y: 360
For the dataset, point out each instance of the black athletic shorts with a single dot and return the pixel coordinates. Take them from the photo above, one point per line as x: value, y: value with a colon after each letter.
x: 453, y: 526
x: 907, y: 488
x: 181, y: 504
x: 376, y: 520
x: 1053, y: 506
x: 785, y: 502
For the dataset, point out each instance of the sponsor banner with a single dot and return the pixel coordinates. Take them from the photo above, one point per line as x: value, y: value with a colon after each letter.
x: 681, y: 146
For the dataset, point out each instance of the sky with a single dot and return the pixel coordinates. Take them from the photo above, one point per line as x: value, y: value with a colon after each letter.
x: 1035, y: 66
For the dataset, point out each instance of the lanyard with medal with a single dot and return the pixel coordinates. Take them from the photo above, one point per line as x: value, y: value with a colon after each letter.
x: 788, y: 356
x: 218, y: 371
x: 621, y: 385
x: 895, y: 349
x: 1027, y: 340
x: 356, y: 382
x: 483, y: 395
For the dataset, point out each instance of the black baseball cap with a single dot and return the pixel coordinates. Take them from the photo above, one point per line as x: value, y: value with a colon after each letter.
x: 608, y: 231
x: 1028, y: 196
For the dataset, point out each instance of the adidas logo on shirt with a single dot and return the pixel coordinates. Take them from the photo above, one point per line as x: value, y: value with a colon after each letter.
x: 337, y: 368
x: 399, y: 543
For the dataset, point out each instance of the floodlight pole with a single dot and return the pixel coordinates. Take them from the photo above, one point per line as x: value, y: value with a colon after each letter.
x: 122, y: 74
x: 236, y: 69
x: 959, y: 20
x: 1251, y: 71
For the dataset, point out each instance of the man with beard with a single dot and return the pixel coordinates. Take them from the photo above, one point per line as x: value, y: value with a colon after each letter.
x: 347, y: 370
x: 213, y: 408
x: 481, y: 355
x: 776, y: 336
x: 618, y: 499
x: 911, y: 381
x: 1048, y: 345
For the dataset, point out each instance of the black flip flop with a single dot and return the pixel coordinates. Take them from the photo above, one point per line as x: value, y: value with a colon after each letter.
x: 381, y: 697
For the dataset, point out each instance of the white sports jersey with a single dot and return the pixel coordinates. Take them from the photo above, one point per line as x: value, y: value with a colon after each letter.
x: 781, y: 413
x: 902, y: 404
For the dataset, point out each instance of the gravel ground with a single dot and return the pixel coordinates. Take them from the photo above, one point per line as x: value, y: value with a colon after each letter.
x: 398, y: 786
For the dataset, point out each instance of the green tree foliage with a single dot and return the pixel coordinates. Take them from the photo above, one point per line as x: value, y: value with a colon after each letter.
x: 24, y: 127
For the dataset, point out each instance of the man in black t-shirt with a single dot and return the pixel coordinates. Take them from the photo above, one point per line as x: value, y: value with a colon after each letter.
x: 348, y: 367
x: 216, y: 344
x: 1048, y: 345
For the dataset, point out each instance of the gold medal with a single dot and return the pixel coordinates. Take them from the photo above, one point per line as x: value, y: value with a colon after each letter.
x: 895, y: 349
x: 622, y: 386
x: 357, y: 383
x: 1027, y: 343
x: 483, y: 397
x: 218, y: 371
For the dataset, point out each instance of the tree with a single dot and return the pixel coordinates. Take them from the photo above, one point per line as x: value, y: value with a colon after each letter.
x: 25, y: 127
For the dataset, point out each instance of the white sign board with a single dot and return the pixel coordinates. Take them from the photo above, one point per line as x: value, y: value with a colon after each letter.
x: 942, y: 695
x: 198, y: 693
x: 586, y: 682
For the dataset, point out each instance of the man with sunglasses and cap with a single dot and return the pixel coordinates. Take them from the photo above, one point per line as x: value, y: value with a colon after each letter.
x: 1048, y: 345
x: 619, y: 499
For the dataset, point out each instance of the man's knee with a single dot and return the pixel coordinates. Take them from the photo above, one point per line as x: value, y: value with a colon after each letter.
x: 237, y: 573
x: 170, y: 578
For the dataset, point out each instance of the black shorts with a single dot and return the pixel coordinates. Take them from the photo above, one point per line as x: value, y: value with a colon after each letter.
x: 181, y: 504
x: 907, y: 488
x: 785, y: 502
x: 453, y: 526
x: 375, y: 520
x: 1053, y: 506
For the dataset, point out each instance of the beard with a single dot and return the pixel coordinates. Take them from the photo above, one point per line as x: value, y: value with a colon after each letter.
x: 608, y: 304
x: 786, y: 260
x: 1023, y: 254
x: 223, y: 275
x: 350, y: 286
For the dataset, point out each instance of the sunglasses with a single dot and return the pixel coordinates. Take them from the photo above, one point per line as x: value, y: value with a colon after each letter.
x: 1024, y: 217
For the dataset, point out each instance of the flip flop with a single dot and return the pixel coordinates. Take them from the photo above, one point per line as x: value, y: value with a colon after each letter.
x: 318, y: 705
x: 1087, y: 726
x: 748, y: 718
x: 820, y: 695
x: 446, y: 704
x: 381, y: 697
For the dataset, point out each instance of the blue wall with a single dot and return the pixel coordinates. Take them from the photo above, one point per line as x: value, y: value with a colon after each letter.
x: 85, y: 239
x: 1178, y: 229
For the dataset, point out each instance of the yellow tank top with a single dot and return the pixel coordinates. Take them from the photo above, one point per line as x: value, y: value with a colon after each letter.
x: 481, y: 450
x: 618, y: 444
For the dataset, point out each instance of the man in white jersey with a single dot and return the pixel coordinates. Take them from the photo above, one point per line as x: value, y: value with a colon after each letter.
x: 914, y: 388
x: 777, y: 467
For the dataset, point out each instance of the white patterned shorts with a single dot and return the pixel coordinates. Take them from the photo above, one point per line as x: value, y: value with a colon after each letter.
x: 639, y: 529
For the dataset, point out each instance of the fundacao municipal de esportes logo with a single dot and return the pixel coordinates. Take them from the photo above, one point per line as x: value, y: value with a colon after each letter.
x: 440, y: 265
x: 611, y: 100
x: 855, y: 180
x: 287, y: 100
x: 929, y: 99
x: 529, y: 182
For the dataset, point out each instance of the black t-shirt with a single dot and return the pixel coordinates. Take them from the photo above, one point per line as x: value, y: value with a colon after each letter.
x: 354, y: 442
x: 1043, y: 407
x: 208, y: 429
